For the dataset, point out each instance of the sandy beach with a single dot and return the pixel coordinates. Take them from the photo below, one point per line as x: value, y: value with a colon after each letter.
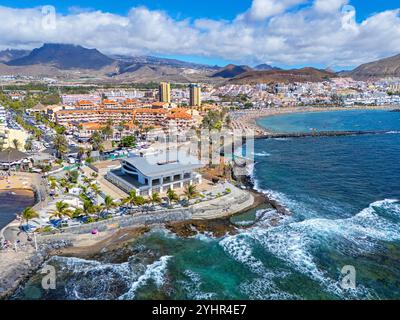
x: 247, y: 119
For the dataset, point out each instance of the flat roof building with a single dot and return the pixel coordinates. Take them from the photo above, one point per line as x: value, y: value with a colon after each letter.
x: 195, y: 95
x: 145, y: 177
x: 164, y: 92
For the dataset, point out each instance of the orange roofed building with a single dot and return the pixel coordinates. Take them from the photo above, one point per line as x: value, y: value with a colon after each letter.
x: 111, y: 104
x: 141, y: 116
x: 85, y: 104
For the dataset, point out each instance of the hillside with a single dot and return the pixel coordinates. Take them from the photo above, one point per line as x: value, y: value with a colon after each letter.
x: 230, y: 71
x: 274, y: 76
x: 11, y: 54
x: 64, y: 56
x: 388, y: 67
x: 265, y: 67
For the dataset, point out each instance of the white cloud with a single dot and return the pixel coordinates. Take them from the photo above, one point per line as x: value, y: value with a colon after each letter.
x: 271, y: 31
x: 261, y: 9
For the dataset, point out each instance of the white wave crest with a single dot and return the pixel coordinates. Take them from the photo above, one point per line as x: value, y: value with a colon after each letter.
x: 262, y: 154
x: 155, y: 271
x: 193, y: 287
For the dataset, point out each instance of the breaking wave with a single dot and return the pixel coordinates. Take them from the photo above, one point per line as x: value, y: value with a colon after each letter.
x: 297, y: 243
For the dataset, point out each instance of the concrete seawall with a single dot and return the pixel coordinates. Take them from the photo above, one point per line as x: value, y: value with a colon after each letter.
x: 16, y: 267
x: 322, y: 134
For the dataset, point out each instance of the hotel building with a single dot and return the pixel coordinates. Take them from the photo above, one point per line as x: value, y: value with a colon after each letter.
x: 195, y: 95
x: 164, y: 92
x: 142, y: 116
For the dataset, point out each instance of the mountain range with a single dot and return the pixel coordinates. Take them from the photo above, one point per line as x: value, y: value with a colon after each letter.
x: 67, y: 61
x: 10, y: 54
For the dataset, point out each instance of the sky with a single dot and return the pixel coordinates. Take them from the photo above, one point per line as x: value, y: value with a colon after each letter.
x: 339, y: 34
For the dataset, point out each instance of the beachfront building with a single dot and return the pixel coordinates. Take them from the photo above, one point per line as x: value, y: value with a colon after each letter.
x: 12, y: 158
x: 74, y: 117
x: 145, y: 177
x: 144, y: 117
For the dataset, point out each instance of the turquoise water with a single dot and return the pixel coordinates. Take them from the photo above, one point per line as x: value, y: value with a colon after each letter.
x: 349, y: 120
x: 343, y: 193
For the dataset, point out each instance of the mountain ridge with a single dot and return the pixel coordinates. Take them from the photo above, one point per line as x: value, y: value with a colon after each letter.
x: 382, y: 68
x: 64, y: 56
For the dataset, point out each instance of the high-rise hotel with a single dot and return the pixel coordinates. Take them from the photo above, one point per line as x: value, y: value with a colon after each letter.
x: 164, y: 92
x: 195, y: 95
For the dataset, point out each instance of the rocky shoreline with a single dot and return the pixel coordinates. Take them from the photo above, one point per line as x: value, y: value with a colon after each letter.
x: 112, y: 241
x: 22, y: 270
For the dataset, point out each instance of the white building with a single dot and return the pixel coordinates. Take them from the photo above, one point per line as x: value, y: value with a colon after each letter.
x: 137, y: 173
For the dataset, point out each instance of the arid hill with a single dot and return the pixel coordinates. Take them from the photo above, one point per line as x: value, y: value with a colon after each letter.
x: 274, y: 76
x: 384, y: 68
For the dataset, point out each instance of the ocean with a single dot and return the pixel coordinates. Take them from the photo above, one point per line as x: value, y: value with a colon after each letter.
x: 343, y: 193
x: 12, y: 202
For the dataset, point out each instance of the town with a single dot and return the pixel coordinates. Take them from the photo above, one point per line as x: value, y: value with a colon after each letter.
x: 101, y: 151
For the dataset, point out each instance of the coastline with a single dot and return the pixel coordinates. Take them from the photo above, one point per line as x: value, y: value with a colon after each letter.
x: 248, y: 121
x: 13, y: 201
x: 116, y: 235
x: 21, y: 184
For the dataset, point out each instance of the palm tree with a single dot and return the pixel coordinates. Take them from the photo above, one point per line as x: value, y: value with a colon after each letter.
x: 108, y: 203
x: 81, y: 152
x: 155, y: 198
x: 87, y: 180
x: 88, y: 207
x: 131, y: 199
x: 97, y: 141
x: 172, y: 196
x: 60, y: 144
x: 77, y: 212
x: 191, y: 192
x: 108, y: 130
x: 16, y: 144
x: 29, y: 214
x: 62, y: 210
x: 95, y: 189
x: 140, y: 202
x: 28, y: 145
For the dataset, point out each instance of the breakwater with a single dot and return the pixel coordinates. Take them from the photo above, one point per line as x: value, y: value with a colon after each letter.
x: 322, y: 134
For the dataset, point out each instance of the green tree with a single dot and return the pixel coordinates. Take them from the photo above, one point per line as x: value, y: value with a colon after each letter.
x: 128, y: 141
x: 97, y: 141
x: 172, y: 195
x: 62, y: 210
x: 61, y: 145
x: 155, y: 198
x: 191, y: 191
x: 108, y: 203
x: 131, y: 199
x: 108, y: 130
x: 28, y: 145
x: 29, y: 214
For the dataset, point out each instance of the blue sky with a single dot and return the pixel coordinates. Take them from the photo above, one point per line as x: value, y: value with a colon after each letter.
x: 215, y: 9
x: 279, y: 46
